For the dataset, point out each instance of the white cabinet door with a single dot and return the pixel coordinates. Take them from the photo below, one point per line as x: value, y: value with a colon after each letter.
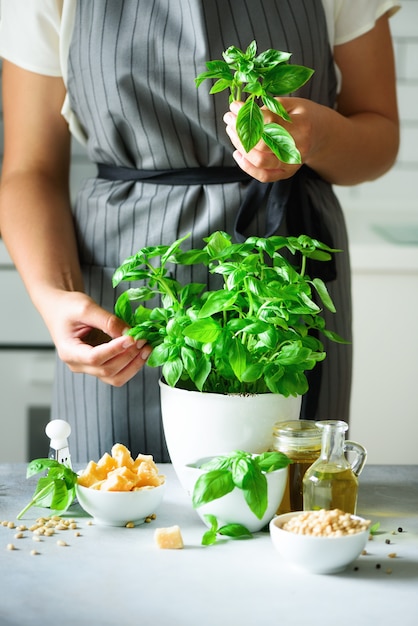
x: 384, y: 410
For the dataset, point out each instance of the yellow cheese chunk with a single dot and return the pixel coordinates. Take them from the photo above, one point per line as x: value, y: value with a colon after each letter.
x: 169, y: 538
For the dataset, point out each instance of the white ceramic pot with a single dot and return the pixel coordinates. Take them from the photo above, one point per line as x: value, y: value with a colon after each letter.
x: 233, y: 508
x: 198, y: 424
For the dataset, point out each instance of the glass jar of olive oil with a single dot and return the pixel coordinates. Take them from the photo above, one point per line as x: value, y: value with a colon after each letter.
x: 331, y: 482
x: 300, y: 440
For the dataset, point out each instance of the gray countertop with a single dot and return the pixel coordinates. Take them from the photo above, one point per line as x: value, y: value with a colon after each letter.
x: 111, y: 576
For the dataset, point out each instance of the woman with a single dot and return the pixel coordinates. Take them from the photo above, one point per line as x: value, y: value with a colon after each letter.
x: 120, y: 77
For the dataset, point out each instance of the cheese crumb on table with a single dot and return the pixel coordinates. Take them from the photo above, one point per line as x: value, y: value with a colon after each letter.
x: 169, y: 538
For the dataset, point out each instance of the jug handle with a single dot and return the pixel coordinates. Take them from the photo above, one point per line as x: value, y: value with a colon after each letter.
x: 360, y: 455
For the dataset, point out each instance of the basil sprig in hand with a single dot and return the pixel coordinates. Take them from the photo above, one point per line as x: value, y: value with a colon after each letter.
x: 262, y: 77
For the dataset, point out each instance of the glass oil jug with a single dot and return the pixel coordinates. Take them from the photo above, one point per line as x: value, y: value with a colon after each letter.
x: 300, y: 440
x: 331, y: 482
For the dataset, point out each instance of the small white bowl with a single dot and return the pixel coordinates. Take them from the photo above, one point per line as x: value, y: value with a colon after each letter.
x: 117, y: 508
x: 317, y: 555
x: 232, y: 508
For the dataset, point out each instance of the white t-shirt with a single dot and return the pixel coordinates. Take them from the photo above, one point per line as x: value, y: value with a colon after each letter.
x: 36, y: 34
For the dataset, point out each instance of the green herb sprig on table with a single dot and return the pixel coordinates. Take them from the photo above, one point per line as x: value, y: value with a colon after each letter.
x: 240, y: 470
x: 262, y: 77
x: 233, y: 531
x: 56, y: 490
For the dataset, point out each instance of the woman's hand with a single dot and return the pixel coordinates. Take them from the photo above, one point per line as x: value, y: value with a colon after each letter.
x: 260, y: 162
x: 355, y: 142
x: 91, y: 340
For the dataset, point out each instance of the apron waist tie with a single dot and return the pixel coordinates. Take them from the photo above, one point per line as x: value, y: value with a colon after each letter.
x: 179, y: 176
x: 283, y: 200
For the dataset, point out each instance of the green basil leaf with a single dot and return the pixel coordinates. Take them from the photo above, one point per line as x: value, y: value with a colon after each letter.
x: 44, y: 492
x: 159, y: 356
x: 234, y: 530
x: 276, y: 106
x: 40, y: 465
x: 202, y: 372
x: 323, y: 294
x: 270, y: 58
x: 284, y: 79
x: 217, y: 462
x: 211, y: 486
x: 240, y: 468
x: 61, y: 498
x: 250, y: 124
x: 232, y: 55
x: 255, y: 491
x: 209, y: 538
x: 237, y: 357
x: 253, y: 372
x: 251, y: 50
x: 211, y: 519
x: 221, y: 85
x: 330, y: 334
x: 172, y: 370
x: 205, y: 330
x: 123, y: 308
x: 271, y: 461
x: 281, y: 143
x: 217, y: 301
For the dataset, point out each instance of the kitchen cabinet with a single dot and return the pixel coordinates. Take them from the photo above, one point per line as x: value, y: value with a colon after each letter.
x: 384, y: 414
x: 27, y: 359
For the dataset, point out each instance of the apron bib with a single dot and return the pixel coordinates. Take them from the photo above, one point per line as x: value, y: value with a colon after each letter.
x: 131, y: 71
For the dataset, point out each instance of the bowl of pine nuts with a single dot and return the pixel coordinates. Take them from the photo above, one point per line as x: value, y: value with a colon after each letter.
x: 319, y: 542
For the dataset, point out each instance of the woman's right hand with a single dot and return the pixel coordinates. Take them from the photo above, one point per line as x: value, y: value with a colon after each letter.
x: 91, y: 340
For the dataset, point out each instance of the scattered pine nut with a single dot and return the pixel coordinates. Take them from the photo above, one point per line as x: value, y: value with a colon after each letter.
x: 62, y: 543
x: 392, y: 555
x: 10, y: 546
x: 34, y: 552
x: 129, y: 525
x: 19, y: 535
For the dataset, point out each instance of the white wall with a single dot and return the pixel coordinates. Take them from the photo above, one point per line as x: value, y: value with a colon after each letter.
x: 398, y: 188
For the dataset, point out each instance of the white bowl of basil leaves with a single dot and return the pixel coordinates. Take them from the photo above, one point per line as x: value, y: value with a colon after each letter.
x: 240, y: 491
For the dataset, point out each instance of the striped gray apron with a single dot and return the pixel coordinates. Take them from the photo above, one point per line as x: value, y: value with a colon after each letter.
x: 132, y: 65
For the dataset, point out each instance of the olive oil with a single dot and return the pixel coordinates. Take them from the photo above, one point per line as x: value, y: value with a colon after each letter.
x: 331, y: 481
x: 293, y: 494
x: 328, y: 487
x: 300, y: 440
